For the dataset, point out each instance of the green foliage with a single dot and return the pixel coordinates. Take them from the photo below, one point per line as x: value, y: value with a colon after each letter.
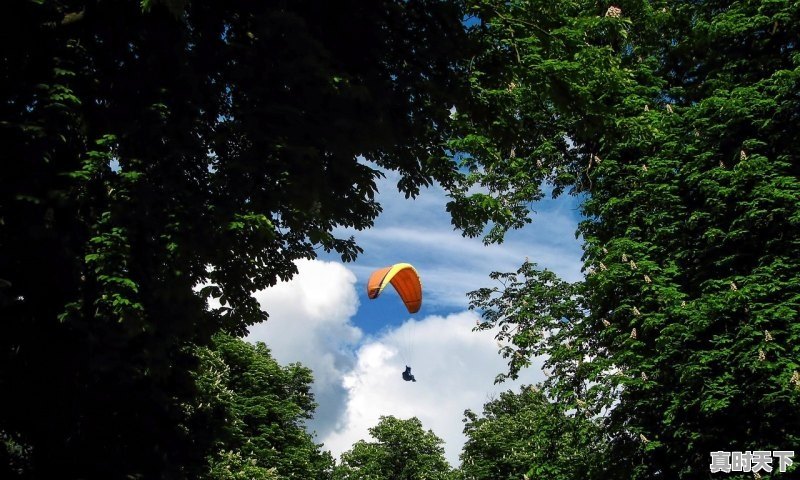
x: 161, y: 153
x: 231, y: 466
x: 403, y: 450
x: 155, y: 147
x: 176, y: 7
x: 525, y: 435
x: 263, y: 407
x: 537, y: 315
x: 540, y: 86
x: 684, y: 333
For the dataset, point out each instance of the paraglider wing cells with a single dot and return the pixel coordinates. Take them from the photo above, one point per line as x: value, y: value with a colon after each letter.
x: 404, y: 279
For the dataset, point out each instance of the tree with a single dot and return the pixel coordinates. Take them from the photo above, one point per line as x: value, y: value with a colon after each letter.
x: 150, y: 152
x: 542, y: 82
x: 683, y: 332
x: 265, y: 408
x: 526, y: 435
x: 705, y: 225
x: 402, y: 451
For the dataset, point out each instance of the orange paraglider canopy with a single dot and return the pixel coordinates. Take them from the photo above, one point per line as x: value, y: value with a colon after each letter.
x: 404, y: 279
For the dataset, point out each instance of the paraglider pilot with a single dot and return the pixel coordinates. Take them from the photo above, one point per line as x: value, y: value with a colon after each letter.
x: 407, y: 375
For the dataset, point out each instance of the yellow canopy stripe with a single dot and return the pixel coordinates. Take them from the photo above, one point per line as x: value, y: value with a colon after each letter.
x: 404, y: 278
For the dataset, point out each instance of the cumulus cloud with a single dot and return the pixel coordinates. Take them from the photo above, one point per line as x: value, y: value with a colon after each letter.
x: 357, y: 379
x: 357, y: 359
x: 455, y: 370
x: 310, y: 322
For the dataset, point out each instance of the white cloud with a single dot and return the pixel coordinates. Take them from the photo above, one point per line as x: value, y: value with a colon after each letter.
x: 455, y: 370
x: 314, y: 318
x: 419, y: 231
x: 310, y: 322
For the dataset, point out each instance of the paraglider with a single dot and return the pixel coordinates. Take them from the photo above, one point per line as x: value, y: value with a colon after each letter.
x: 405, y: 280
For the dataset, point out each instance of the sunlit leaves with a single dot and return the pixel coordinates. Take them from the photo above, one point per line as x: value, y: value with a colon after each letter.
x: 402, y: 450
x: 526, y: 433
x: 689, y: 215
x: 164, y: 154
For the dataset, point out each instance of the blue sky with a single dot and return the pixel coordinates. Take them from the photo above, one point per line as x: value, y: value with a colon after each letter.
x: 419, y: 232
x: 357, y: 347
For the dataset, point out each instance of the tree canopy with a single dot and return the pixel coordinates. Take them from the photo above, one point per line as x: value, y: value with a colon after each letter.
x: 402, y: 450
x: 527, y: 435
x: 684, y: 333
x: 263, y: 407
x: 161, y: 154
